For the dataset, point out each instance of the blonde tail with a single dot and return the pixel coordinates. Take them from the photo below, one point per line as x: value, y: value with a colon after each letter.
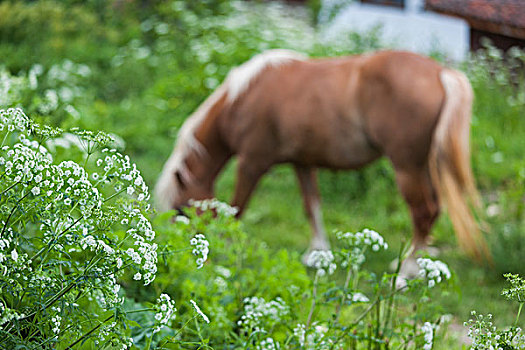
x: 450, y: 163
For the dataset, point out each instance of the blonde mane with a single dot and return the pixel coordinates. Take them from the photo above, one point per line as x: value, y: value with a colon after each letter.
x: 237, y: 82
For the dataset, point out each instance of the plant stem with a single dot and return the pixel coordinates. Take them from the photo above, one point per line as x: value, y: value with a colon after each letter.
x: 378, y: 319
x: 390, y: 303
x: 363, y: 315
x: 314, y: 296
x: 518, y: 315
x: 10, y: 187
x: 58, y: 236
x: 343, y: 298
x: 90, y: 332
x: 184, y: 326
x: 5, y: 137
x: 114, y: 195
x: 12, y: 211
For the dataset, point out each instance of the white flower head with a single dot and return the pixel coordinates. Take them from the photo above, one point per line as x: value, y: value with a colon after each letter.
x: 199, y: 311
x: 434, y: 271
x: 200, y: 249
x: 428, y: 334
x: 358, y: 297
x: 259, y: 313
x: 322, y: 261
x: 365, y: 238
x: 165, y: 308
x: 14, y: 255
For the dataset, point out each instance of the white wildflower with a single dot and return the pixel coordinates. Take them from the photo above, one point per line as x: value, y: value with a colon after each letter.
x: 358, y: 298
x: 428, y: 334
x: 165, y: 312
x: 268, y: 344
x: 366, y: 237
x: 14, y: 255
x: 433, y: 270
x: 199, y: 311
x: 322, y: 261
x: 200, y: 248
x: 183, y: 219
x: 258, y: 313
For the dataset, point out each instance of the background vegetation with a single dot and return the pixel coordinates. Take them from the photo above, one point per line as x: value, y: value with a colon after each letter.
x: 137, y: 69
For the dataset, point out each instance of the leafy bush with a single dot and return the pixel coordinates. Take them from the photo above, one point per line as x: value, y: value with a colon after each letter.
x: 68, y: 233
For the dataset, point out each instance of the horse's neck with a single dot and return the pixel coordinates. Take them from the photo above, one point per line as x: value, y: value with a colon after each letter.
x: 207, y: 165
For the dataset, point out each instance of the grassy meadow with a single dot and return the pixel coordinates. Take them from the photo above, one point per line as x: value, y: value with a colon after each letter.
x: 137, y: 69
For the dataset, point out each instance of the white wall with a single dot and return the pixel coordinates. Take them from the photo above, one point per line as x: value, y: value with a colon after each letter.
x: 410, y: 28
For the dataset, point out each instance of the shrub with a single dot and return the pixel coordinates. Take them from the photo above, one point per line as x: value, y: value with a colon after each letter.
x: 69, y: 232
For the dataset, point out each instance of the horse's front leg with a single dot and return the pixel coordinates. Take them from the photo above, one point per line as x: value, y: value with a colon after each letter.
x: 312, y: 205
x: 249, y: 172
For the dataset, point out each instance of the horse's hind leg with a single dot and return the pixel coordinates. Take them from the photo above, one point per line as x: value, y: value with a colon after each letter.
x: 417, y: 190
x: 312, y: 205
x: 416, y: 187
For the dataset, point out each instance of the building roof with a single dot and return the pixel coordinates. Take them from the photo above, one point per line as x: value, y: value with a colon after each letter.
x: 505, y: 17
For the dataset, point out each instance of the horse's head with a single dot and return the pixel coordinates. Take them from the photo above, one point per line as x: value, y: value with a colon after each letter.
x: 196, y: 160
x: 184, y: 177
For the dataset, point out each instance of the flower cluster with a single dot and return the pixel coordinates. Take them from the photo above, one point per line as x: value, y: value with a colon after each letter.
x: 165, y: 308
x: 7, y: 314
x: 10, y: 87
x: 428, y: 335
x: 268, y: 344
x: 485, y: 336
x: 356, y: 244
x: 322, y: 261
x: 27, y: 165
x: 64, y: 81
x: 200, y: 248
x: 259, y: 313
x: 517, y: 290
x: 124, y: 175
x: 216, y: 205
x: 434, y: 271
x: 144, y: 255
x: 365, y: 238
x: 60, y: 87
x: 313, y: 338
x: 13, y: 119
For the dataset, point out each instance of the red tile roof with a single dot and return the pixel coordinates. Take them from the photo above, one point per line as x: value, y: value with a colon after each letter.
x: 505, y: 17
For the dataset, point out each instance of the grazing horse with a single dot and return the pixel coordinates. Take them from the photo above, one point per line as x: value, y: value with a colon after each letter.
x: 336, y: 113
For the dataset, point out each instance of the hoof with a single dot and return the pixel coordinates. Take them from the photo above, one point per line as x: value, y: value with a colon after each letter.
x: 306, y: 257
x: 409, y: 270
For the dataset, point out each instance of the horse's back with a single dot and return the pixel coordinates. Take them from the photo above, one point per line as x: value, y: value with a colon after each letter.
x: 337, y: 113
x: 400, y: 98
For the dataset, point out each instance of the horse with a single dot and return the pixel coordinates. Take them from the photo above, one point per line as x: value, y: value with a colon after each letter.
x: 339, y: 113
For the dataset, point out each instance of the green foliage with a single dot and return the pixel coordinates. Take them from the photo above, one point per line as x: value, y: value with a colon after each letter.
x: 255, y: 297
x: 68, y: 232
x: 498, y: 142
